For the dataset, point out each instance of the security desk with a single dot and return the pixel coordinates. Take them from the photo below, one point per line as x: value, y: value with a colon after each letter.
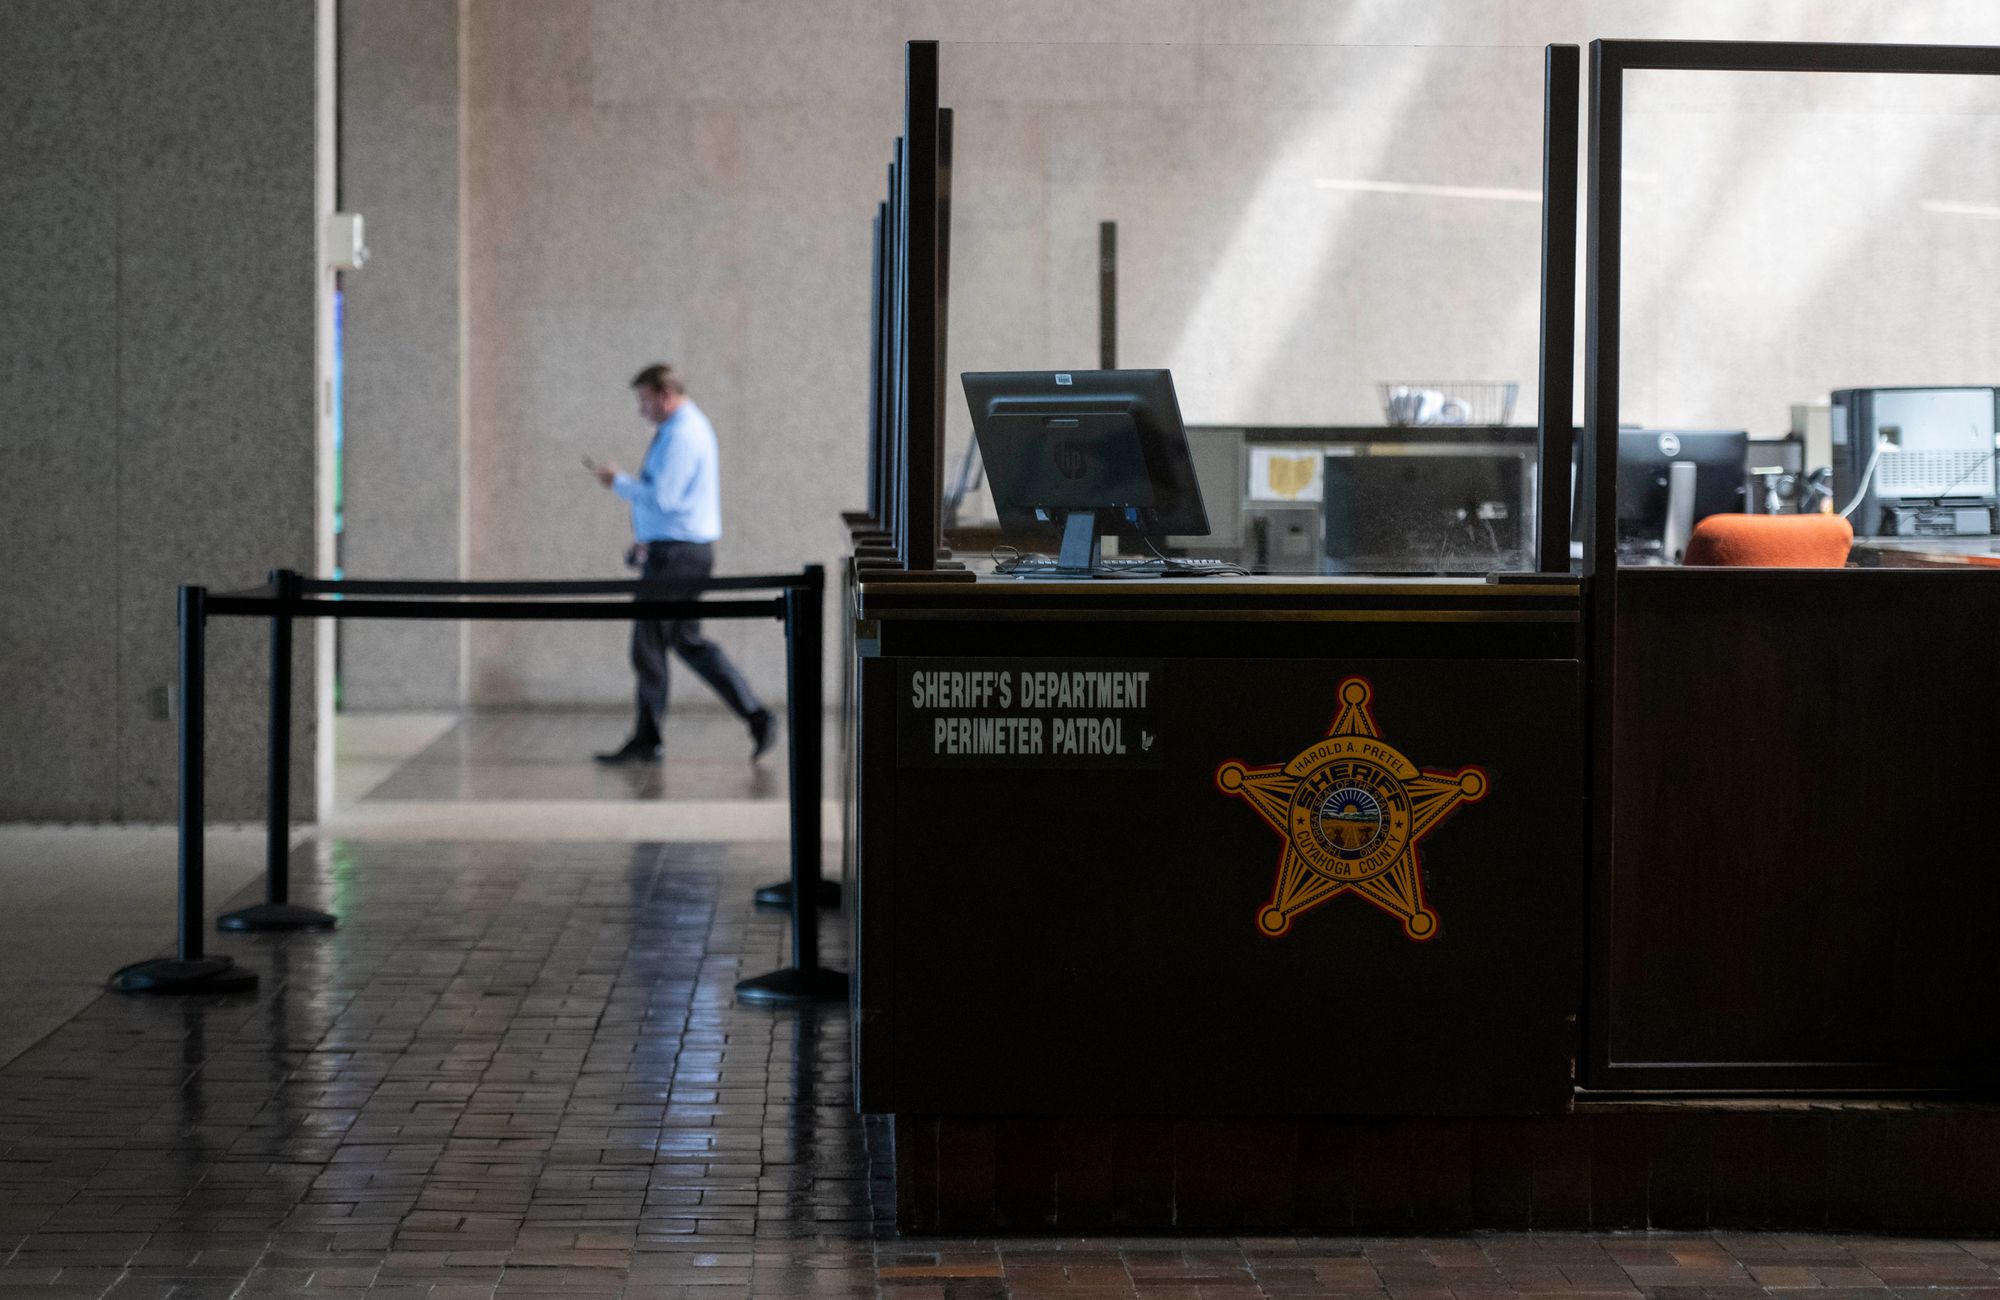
x: 1264, y: 903
x: 1218, y: 846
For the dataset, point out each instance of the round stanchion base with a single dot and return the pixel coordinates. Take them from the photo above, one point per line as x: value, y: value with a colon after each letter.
x: 780, y: 894
x: 793, y: 987
x: 172, y: 975
x: 276, y: 916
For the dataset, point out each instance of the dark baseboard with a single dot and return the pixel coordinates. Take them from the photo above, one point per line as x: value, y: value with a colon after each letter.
x: 1927, y: 1168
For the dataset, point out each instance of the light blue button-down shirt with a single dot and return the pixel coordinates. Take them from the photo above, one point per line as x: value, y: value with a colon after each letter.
x: 676, y: 496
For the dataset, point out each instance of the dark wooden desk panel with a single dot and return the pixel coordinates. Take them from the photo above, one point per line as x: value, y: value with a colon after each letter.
x: 1802, y: 891
x: 1042, y: 940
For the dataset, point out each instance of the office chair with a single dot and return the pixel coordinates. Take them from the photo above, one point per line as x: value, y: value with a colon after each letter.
x: 1771, y: 541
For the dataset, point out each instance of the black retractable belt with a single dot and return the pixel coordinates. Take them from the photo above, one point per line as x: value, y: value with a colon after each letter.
x: 289, y: 596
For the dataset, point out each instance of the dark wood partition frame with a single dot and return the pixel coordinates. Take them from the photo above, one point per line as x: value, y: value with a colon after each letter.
x: 1609, y: 61
x: 898, y: 358
x: 867, y: 526
x: 918, y: 339
x: 1107, y: 295
x: 872, y: 531
x: 917, y: 523
x: 878, y: 388
x: 1561, y: 93
x: 875, y: 544
x: 895, y: 359
x: 941, y: 388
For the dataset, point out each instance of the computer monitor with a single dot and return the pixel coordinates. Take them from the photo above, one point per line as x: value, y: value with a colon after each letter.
x: 1445, y: 513
x: 1073, y: 455
x: 1916, y: 461
x: 1644, y: 460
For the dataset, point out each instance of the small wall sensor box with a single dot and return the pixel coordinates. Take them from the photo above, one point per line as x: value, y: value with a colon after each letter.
x: 345, y: 249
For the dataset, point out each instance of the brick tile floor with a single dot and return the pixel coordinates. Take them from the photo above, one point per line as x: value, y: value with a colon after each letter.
x: 518, y: 1070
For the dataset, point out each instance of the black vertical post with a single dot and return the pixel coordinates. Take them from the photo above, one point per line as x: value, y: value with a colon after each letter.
x: 895, y: 410
x: 917, y: 537
x: 872, y: 530
x: 278, y: 774
x: 194, y: 783
x: 1554, y: 426
x: 276, y: 911
x: 878, y: 325
x: 1107, y: 295
x: 1598, y: 485
x: 877, y: 541
x: 918, y: 339
x: 805, y: 980
x: 803, y: 722
x: 899, y: 354
x: 940, y: 327
x: 190, y: 970
x: 802, y: 704
x: 1600, y: 338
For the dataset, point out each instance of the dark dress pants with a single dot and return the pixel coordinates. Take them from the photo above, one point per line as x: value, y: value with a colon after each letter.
x: 652, y: 638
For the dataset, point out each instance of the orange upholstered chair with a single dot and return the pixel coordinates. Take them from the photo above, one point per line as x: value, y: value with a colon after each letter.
x: 1771, y: 541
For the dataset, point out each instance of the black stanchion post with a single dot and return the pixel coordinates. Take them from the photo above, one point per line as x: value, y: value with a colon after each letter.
x: 189, y: 970
x: 824, y: 893
x: 806, y: 980
x: 276, y: 911
x: 803, y: 608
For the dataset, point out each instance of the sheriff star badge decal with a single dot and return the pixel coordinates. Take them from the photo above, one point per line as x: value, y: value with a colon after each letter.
x: 1351, y: 810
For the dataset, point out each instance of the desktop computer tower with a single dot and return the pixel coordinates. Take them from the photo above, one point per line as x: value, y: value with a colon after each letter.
x: 1933, y: 460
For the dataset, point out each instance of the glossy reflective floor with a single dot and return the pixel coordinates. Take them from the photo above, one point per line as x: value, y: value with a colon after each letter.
x: 513, y: 1066
x: 518, y: 1068
x: 529, y: 776
x: 540, y: 755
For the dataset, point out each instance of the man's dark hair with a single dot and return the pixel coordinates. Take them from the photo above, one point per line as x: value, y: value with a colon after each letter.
x: 660, y: 377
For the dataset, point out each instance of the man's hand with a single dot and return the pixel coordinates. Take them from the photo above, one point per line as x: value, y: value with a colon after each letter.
x: 605, y: 473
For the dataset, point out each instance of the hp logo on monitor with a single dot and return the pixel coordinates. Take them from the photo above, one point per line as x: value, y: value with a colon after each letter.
x: 1069, y: 458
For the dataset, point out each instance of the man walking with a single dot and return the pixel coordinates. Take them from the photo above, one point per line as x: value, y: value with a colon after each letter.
x: 676, y: 502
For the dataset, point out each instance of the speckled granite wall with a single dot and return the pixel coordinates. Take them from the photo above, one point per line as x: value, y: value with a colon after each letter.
x: 399, y: 168
x: 156, y: 417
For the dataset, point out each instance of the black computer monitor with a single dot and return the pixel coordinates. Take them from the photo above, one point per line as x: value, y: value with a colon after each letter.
x: 1644, y: 456
x: 1073, y: 455
x: 1447, y: 513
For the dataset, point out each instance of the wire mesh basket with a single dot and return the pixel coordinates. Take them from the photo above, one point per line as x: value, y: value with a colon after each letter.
x: 1448, y: 402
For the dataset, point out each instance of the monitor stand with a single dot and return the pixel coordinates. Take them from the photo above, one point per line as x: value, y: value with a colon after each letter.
x: 1680, y: 510
x: 1081, y: 549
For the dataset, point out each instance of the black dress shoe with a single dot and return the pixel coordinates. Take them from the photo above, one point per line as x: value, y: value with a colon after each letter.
x: 634, y: 750
x: 763, y: 733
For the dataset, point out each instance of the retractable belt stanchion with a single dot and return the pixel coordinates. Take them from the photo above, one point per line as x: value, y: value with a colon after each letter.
x: 805, y: 980
x: 189, y: 970
x: 288, y: 596
x: 823, y: 892
x: 277, y: 912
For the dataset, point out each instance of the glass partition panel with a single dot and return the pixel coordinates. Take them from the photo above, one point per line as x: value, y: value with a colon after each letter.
x: 1797, y: 246
x: 1322, y: 243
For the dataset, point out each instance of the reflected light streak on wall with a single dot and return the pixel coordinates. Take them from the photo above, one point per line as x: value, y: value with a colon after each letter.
x: 1799, y: 271
x: 1487, y: 192
x: 1954, y: 208
x: 1275, y: 262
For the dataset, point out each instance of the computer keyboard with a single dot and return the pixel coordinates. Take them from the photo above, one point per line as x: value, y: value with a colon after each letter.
x: 1123, y: 566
